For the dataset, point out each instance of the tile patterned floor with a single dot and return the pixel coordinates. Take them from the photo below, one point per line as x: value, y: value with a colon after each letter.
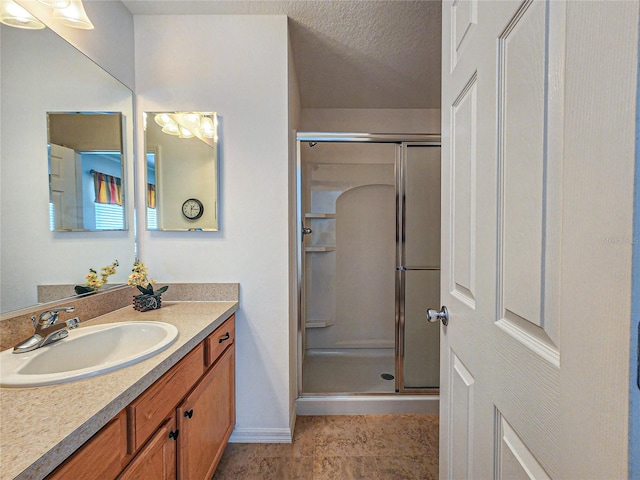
x: 345, y: 447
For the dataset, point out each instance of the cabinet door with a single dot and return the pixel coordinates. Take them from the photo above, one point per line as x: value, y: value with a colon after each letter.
x: 157, y: 460
x: 206, y: 419
x: 102, y: 457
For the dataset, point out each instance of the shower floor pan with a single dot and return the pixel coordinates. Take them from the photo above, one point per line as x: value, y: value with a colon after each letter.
x: 348, y: 371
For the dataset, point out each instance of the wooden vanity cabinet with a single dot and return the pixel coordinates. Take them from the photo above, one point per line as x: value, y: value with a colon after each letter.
x: 102, y: 457
x: 206, y: 419
x: 177, y: 429
x: 157, y: 460
x: 148, y: 411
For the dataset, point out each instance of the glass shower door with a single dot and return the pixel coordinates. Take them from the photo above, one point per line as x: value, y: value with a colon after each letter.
x: 419, y: 267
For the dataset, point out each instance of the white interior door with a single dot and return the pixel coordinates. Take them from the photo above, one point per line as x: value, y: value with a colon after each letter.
x: 63, y: 185
x: 522, y: 147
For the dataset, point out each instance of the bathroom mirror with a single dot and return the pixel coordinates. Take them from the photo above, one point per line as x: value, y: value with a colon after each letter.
x: 42, y: 73
x: 182, y: 171
x: 86, y: 175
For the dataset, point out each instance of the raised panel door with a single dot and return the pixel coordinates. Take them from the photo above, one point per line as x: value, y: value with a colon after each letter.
x: 157, y: 459
x: 206, y: 419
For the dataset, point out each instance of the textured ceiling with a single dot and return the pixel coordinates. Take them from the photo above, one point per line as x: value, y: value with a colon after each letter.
x: 348, y: 54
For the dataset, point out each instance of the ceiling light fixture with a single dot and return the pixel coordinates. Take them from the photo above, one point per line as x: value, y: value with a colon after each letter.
x: 73, y: 15
x: 14, y: 15
x: 65, y: 12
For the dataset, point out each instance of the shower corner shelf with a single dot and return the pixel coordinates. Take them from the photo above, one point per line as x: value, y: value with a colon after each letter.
x: 320, y: 248
x: 319, y: 215
x: 318, y: 323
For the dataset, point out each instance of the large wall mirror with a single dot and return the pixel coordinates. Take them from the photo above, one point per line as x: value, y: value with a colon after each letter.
x: 182, y: 171
x: 42, y: 76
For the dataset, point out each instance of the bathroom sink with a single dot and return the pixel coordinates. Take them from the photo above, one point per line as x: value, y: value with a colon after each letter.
x: 86, y: 352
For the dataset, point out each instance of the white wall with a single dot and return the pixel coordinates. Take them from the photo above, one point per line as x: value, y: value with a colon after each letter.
x: 370, y: 120
x: 294, y: 240
x: 243, y: 75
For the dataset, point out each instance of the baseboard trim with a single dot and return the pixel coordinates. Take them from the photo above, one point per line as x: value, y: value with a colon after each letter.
x: 368, y: 405
x: 261, y: 435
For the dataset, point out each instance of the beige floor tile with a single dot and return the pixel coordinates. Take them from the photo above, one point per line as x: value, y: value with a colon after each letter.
x: 405, y: 468
x: 344, y: 468
x: 280, y: 468
x: 371, y: 447
x: 233, y: 464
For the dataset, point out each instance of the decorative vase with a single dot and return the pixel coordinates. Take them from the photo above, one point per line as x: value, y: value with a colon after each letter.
x: 145, y: 302
x: 83, y: 289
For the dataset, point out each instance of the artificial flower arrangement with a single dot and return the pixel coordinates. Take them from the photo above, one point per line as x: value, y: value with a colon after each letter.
x: 94, y: 282
x: 148, y: 299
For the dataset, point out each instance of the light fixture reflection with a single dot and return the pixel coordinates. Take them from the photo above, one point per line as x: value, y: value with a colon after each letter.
x: 14, y: 15
x: 202, y: 125
x: 56, y: 3
x: 206, y: 127
x: 73, y: 16
x: 185, y: 133
x: 190, y: 120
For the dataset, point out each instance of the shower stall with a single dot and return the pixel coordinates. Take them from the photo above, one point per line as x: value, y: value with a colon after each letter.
x: 369, y: 265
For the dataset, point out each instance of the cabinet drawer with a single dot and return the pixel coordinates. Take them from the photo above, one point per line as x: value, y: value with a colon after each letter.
x: 150, y: 409
x: 102, y: 457
x: 219, y: 340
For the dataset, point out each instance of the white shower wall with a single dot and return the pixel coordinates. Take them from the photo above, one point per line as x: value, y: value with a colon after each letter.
x: 350, y: 257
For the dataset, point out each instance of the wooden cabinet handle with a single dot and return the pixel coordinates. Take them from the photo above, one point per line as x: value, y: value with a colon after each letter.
x: 225, y: 338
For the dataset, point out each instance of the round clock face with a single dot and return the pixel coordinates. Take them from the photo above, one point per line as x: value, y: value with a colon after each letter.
x: 192, y: 209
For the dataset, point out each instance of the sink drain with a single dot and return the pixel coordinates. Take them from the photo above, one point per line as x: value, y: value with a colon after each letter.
x: 387, y: 376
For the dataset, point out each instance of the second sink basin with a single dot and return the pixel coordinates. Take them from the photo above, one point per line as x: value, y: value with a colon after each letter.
x: 86, y: 352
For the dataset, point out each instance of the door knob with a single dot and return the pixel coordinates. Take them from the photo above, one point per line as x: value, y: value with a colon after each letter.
x: 434, y: 315
x: 306, y: 231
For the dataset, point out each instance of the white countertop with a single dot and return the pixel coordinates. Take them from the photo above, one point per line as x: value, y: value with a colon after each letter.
x: 42, y: 426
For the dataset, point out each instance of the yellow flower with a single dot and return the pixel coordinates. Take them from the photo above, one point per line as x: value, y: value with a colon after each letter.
x: 92, y: 277
x: 139, y: 275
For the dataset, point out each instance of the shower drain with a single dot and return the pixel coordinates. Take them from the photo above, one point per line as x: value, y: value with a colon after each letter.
x: 387, y: 376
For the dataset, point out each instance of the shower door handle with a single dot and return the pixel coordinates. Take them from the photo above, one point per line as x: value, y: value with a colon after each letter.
x: 443, y: 315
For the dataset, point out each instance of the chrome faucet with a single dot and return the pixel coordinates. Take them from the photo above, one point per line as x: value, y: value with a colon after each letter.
x: 48, y: 330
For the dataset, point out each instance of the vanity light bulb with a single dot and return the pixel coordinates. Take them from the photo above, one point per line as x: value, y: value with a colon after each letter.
x: 206, y: 127
x: 163, y: 119
x: 14, y: 15
x: 56, y: 3
x: 184, y: 132
x: 171, y: 128
x: 73, y: 16
x: 190, y: 120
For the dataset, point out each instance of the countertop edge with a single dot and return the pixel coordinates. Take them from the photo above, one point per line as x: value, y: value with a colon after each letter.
x: 59, y: 452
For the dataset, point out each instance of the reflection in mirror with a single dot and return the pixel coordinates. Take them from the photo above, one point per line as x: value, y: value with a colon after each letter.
x: 86, y: 184
x: 42, y: 73
x: 182, y: 171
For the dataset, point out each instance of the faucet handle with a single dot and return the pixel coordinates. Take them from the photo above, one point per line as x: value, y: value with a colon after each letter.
x: 49, y: 317
x: 73, y: 322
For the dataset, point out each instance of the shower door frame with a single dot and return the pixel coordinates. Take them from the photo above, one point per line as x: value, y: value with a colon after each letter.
x: 401, y: 141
